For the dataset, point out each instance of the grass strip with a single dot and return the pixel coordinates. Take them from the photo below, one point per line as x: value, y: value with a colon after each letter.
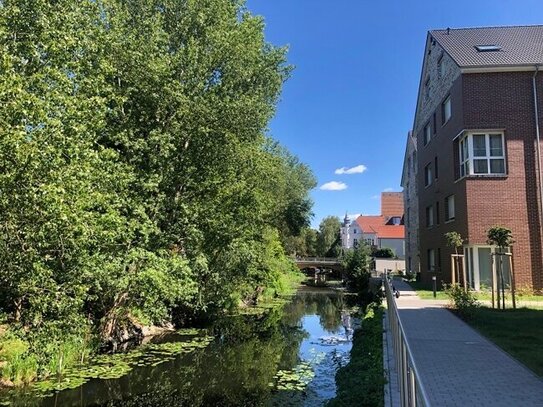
x: 518, y: 332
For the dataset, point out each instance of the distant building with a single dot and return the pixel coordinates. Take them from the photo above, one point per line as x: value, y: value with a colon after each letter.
x: 380, y: 231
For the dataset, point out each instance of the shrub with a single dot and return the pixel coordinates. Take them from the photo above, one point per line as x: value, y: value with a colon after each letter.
x: 463, y: 302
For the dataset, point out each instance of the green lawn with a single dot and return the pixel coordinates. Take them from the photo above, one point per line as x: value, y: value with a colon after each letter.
x: 425, y: 292
x: 519, y: 332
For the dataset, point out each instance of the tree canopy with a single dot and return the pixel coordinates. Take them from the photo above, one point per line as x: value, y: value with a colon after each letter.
x: 136, y: 174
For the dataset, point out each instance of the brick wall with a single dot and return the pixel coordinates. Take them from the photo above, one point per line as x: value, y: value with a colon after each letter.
x: 486, y: 101
x: 505, y: 100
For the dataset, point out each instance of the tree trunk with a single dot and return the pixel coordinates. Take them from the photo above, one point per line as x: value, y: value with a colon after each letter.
x: 512, y: 277
x: 18, y: 309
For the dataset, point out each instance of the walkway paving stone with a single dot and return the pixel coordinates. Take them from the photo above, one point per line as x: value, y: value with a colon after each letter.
x: 458, y: 366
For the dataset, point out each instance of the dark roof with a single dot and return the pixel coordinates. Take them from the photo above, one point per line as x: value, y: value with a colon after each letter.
x: 521, y: 45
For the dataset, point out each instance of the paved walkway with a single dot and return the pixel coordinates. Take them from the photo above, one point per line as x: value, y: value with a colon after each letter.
x: 458, y: 366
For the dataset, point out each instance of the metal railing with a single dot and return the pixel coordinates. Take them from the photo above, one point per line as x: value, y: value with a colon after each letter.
x: 323, y: 260
x: 412, y: 392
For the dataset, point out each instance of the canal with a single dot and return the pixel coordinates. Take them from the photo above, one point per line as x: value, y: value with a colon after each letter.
x: 287, y: 355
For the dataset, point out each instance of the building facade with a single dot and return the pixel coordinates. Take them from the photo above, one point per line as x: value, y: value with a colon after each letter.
x: 476, y: 126
x: 378, y: 231
x: 350, y: 232
x: 411, y: 205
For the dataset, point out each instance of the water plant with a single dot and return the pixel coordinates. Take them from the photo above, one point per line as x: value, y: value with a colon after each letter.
x: 115, y: 366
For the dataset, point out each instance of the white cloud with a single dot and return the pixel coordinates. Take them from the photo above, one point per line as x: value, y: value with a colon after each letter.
x: 359, y: 169
x: 333, y: 186
x: 375, y: 197
x: 388, y: 190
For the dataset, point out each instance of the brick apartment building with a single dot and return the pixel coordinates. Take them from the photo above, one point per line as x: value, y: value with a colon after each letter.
x: 476, y: 129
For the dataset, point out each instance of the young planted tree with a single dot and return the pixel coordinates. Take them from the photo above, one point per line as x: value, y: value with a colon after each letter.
x: 502, y: 237
x: 454, y: 240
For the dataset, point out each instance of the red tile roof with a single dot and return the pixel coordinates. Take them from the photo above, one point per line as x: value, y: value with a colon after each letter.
x: 370, y: 224
x: 376, y: 224
x: 391, y: 232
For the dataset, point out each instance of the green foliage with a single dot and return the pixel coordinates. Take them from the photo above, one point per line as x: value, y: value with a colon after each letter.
x: 385, y: 252
x: 454, y: 239
x: 362, y: 381
x: 304, y: 245
x: 463, y: 302
x: 15, y: 363
x: 500, y: 236
x: 328, y: 240
x: 135, y: 174
x: 356, y: 265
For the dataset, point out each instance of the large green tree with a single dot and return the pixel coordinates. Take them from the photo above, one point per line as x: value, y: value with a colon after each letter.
x: 136, y: 175
x: 328, y: 241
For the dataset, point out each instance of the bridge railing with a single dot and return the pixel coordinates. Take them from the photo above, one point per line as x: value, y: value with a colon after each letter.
x: 316, y: 260
x: 412, y: 392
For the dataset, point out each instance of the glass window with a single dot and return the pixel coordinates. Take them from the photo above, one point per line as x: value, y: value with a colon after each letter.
x: 480, y: 167
x: 429, y: 216
x: 482, y: 154
x: 446, y: 110
x: 479, y: 145
x: 488, y: 48
x: 496, y: 145
x: 449, y: 207
x: 431, y: 260
x: 427, y: 134
x: 428, y: 175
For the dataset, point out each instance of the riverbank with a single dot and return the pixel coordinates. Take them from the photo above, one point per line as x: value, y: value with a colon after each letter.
x: 288, y: 355
x: 361, y: 382
x: 27, y: 356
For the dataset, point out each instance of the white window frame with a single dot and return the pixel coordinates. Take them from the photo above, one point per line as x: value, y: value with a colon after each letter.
x: 467, y: 157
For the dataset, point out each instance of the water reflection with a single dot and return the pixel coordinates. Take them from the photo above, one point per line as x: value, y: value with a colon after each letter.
x: 278, y: 359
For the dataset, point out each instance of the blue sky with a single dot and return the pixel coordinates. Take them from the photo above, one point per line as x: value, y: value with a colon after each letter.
x: 351, y: 98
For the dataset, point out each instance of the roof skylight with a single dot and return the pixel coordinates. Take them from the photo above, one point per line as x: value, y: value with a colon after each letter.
x: 488, y: 48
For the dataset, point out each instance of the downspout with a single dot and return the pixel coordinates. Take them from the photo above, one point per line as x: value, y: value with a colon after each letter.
x: 537, y: 133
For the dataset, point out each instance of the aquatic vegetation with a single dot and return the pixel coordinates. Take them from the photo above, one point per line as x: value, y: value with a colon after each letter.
x: 296, y: 379
x: 270, y: 359
x: 300, y: 376
x: 263, y: 307
x: 115, y: 366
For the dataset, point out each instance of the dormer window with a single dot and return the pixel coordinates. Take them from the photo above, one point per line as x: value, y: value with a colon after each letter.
x: 488, y: 48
